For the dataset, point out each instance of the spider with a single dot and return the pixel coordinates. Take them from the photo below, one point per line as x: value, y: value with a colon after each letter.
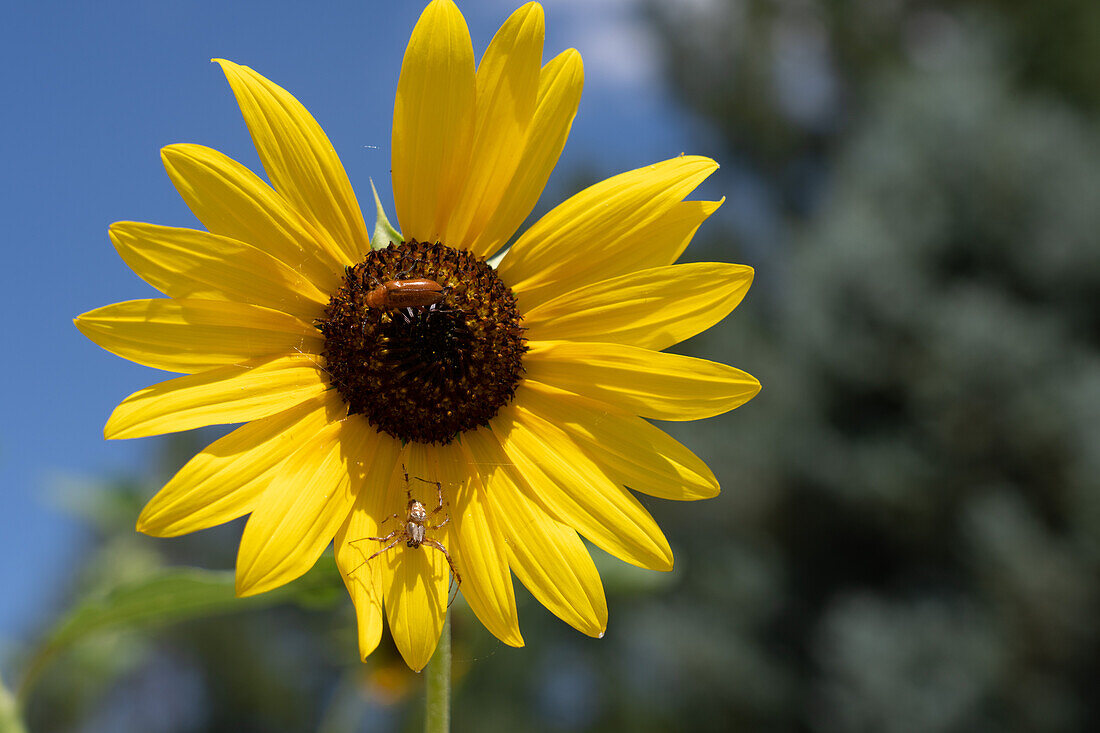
x: 414, y: 531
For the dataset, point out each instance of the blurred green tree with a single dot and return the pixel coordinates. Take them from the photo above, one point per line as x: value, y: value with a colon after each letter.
x: 927, y: 469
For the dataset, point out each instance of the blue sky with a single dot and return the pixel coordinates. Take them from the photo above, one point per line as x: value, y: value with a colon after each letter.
x: 92, y: 91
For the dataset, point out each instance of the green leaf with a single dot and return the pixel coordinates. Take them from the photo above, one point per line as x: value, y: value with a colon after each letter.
x: 167, y: 597
x: 384, y: 233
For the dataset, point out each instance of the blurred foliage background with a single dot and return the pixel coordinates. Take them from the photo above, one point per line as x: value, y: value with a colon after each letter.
x: 907, y: 539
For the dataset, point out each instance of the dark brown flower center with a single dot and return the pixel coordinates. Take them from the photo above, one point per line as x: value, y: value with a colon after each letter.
x: 427, y: 371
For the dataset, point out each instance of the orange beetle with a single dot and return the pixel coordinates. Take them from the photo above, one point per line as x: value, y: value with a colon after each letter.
x: 417, y: 293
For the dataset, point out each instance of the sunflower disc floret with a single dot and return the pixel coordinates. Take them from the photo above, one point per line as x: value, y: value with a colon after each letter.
x: 427, y: 373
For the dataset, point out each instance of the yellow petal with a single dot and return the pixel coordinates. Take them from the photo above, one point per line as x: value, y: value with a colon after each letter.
x: 433, y: 118
x: 477, y: 550
x: 370, y: 478
x: 193, y: 335
x: 415, y: 581
x: 658, y: 244
x: 232, y: 201
x: 652, y: 384
x: 300, y: 160
x: 575, y: 490
x: 187, y: 263
x: 230, y: 394
x: 507, y: 87
x: 301, y: 509
x: 589, y: 237
x: 560, y: 85
x: 653, y: 308
x: 666, y: 240
x: 547, y: 556
x: 627, y: 448
x: 223, y: 481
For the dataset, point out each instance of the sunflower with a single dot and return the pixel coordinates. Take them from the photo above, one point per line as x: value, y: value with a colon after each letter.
x: 523, y: 389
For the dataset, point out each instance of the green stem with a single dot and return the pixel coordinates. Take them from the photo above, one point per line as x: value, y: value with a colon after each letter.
x: 9, y: 713
x: 437, y: 717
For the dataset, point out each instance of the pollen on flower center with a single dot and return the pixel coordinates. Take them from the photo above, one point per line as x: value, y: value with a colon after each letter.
x: 424, y: 372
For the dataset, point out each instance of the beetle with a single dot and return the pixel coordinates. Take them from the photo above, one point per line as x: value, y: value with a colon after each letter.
x: 413, y: 293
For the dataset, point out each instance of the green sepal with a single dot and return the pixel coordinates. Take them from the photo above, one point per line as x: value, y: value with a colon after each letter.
x: 384, y: 233
x: 9, y: 713
x: 494, y: 261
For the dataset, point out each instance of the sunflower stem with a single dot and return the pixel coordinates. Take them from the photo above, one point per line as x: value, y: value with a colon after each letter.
x: 437, y: 717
